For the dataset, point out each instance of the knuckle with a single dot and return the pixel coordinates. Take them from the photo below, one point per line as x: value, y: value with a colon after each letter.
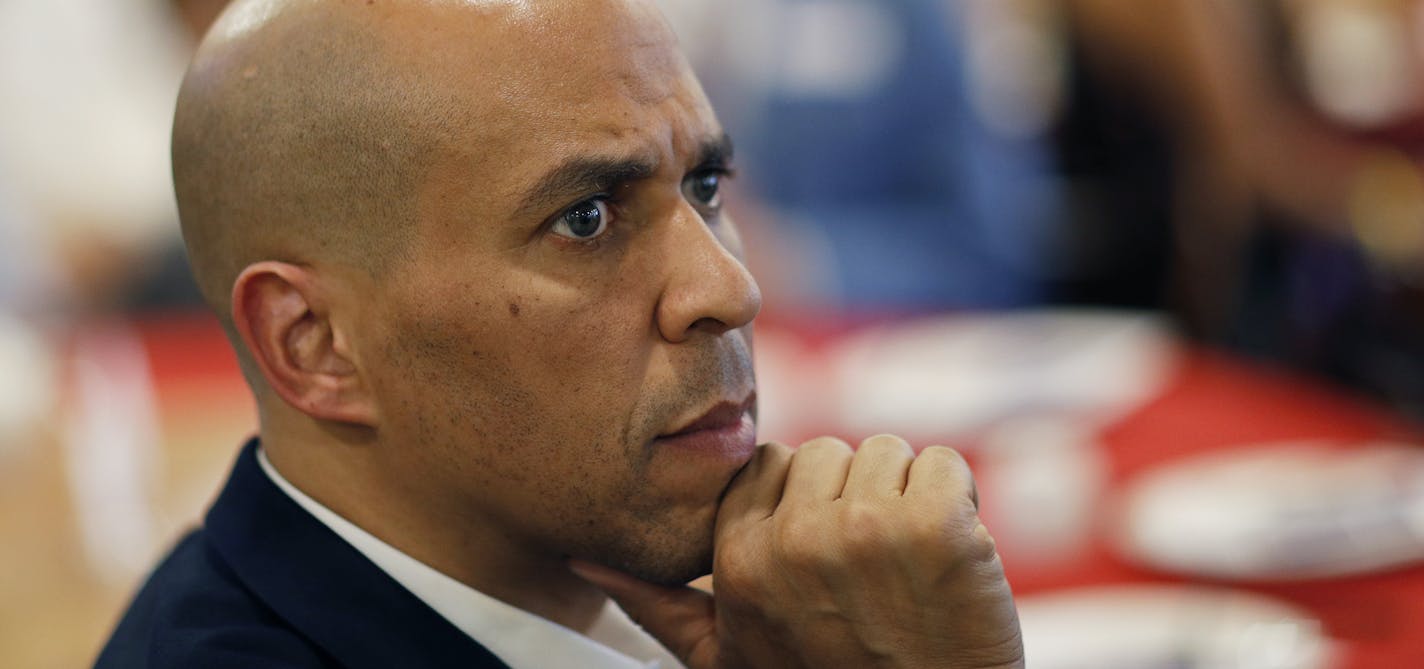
x: 949, y: 469
x: 769, y: 455
x: 824, y: 446
x: 980, y: 545
x: 946, y: 456
x: 884, y: 443
x: 952, y: 539
x: 939, y: 529
x: 774, y: 449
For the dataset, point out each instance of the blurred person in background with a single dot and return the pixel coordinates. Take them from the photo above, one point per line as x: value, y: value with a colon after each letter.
x: 930, y: 155
x: 866, y: 146
x: 1297, y: 198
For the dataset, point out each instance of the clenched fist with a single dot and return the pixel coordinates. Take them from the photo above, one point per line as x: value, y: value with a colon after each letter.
x: 827, y: 557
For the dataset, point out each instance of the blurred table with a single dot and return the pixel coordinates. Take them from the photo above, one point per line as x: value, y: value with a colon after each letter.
x: 58, y: 601
x: 1216, y: 403
x: 1205, y: 402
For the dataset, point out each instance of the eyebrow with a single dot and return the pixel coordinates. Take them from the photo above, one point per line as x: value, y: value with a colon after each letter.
x: 715, y: 152
x: 583, y: 175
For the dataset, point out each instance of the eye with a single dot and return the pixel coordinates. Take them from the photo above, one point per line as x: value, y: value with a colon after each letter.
x: 704, y: 188
x: 584, y: 221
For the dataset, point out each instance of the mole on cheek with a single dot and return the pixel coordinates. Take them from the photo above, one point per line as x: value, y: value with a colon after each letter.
x: 514, y: 309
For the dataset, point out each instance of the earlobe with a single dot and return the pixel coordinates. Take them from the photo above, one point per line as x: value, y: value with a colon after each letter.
x: 284, y: 319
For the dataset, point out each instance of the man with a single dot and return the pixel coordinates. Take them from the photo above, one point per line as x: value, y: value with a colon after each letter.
x: 472, y: 258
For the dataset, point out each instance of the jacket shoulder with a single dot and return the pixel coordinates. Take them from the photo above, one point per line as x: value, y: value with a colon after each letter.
x: 194, y: 612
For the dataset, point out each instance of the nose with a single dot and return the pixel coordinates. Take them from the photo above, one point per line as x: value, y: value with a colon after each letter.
x: 708, y: 287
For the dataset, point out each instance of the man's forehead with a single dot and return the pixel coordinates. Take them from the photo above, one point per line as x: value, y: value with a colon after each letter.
x: 607, y: 87
x: 575, y: 102
x: 548, y: 57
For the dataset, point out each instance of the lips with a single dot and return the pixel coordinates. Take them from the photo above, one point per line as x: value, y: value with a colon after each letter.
x: 727, y: 430
x: 719, y: 416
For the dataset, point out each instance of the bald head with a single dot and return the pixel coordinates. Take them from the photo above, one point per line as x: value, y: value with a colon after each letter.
x: 305, y: 129
x: 294, y: 141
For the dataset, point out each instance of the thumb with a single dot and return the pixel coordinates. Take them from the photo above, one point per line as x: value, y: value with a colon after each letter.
x: 681, y: 618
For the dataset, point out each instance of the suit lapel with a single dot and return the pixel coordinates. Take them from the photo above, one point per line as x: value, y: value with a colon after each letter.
x: 325, y: 588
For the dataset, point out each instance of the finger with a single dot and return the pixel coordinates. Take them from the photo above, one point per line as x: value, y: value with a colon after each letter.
x: 939, y: 471
x: 682, y: 619
x: 817, y: 473
x: 755, y: 491
x: 880, y: 468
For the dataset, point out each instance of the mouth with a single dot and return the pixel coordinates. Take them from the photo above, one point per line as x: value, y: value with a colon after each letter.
x: 726, y: 430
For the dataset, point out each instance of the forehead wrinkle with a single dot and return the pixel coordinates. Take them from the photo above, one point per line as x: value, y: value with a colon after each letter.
x: 653, y: 77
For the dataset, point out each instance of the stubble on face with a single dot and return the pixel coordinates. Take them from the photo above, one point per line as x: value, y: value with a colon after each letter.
x: 566, y: 463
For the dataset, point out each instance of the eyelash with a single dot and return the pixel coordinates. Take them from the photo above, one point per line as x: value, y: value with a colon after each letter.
x: 616, y: 209
x: 723, y: 172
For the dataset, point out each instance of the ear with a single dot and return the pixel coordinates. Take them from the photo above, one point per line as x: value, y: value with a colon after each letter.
x: 284, y: 318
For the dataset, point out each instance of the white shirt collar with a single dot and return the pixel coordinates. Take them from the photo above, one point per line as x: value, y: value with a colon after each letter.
x: 520, y: 639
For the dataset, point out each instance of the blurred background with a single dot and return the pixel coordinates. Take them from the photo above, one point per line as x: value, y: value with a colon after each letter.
x: 1156, y: 267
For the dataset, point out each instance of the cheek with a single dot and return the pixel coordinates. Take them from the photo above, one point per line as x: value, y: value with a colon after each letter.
x: 551, y: 370
x: 589, y: 357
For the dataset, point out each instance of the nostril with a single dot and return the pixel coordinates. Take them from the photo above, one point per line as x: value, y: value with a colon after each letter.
x: 708, y: 324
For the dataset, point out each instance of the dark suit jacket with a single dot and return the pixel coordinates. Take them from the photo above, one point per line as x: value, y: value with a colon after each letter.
x: 265, y: 584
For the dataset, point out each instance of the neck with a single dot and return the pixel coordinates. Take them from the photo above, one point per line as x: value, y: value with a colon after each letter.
x: 357, y: 485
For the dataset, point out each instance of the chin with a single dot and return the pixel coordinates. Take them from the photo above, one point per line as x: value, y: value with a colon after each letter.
x: 666, y: 562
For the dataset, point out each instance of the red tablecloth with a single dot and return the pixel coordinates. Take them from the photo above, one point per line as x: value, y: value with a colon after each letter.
x: 1216, y: 403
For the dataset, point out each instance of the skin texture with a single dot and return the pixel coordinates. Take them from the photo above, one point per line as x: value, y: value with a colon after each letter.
x: 377, y: 200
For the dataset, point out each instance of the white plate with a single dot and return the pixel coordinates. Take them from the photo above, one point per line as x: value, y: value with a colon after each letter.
x: 1282, y: 512
x: 1168, y: 627
x: 958, y: 374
